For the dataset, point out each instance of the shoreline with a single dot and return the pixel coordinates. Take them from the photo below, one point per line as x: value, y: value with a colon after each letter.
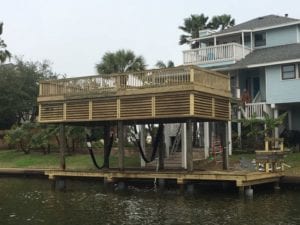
x: 42, y: 172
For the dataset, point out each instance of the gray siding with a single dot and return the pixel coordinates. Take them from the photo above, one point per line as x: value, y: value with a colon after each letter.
x: 281, y: 36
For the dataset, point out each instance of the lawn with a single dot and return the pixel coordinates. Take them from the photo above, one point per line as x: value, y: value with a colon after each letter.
x: 17, y: 159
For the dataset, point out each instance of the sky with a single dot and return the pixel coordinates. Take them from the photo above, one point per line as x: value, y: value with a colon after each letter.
x: 74, y: 34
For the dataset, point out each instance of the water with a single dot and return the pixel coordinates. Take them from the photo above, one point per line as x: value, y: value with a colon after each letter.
x: 31, y: 201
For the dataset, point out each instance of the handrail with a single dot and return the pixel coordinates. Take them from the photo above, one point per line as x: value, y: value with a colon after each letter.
x: 214, y: 54
x: 133, y: 80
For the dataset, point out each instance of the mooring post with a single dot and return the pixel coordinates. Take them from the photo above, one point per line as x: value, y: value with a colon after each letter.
x: 241, y: 191
x: 121, y: 145
x: 249, y: 192
x: 60, y: 184
x: 276, y: 186
x: 189, y: 145
x: 190, y: 189
x: 180, y: 183
x: 62, y: 147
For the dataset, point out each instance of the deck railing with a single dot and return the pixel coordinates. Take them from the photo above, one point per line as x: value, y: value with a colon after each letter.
x: 256, y: 110
x: 138, y: 80
x: 215, y: 54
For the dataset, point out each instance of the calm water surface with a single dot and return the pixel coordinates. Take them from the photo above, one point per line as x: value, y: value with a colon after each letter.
x: 31, y: 201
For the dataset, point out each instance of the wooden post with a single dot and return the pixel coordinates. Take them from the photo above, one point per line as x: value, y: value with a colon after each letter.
x: 189, y: 145
x: 106, y: 153
x: 62, y: 147
x: 206, y: 140
x: 161, y: 150
x: 225, y: 149
x: 143, y: 144
x: 183, y: 147
x: 121, y: 145
x: 229, y: 139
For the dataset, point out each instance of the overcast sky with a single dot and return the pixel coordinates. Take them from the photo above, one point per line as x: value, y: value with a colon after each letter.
x: 74, y: 34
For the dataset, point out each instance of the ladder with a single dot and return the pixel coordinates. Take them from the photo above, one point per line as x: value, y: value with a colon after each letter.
x: 177, y: 140
x: 216, y: 149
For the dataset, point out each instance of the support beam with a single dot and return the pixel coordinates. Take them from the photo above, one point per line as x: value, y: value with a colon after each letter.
x: 229, y: 128
x: 276, y: 132
x: 183, y: 147
x: 62, y: 147
x: 161, y: 150
x: 143, y: 144
x: 106, y: 151
x: 239, y: 128
x: 121, y: 145
x: 189, y: 145
x: 206, y: 140
x: 225, y: 151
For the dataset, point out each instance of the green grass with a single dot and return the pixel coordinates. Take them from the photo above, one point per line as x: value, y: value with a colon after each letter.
x: 17, y: 159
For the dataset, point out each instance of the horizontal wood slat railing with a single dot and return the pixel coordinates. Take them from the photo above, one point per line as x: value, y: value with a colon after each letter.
x: 173, y: 93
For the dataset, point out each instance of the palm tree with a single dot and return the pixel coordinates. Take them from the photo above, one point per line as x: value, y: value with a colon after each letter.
x: 192, y: 26
x: 224, y: 21
x: 4, y: 54
x: 117, y: 62
x: 161, y: 65
x: 120, y: 62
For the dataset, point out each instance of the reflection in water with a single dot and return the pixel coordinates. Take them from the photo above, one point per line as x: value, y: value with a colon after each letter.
x: 30, y: 201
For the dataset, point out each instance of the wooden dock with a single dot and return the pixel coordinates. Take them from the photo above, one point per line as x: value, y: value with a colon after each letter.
x: 241, y: 178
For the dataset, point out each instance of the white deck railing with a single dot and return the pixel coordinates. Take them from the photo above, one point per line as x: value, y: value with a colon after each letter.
x: 215, y: 54
x: 256, y: 110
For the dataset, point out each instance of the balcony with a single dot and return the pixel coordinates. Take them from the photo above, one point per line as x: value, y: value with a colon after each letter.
x: 219, y: 54
x: 169, y: 94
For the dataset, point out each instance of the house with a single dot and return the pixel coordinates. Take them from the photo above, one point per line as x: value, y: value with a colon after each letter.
x: 261, y: 55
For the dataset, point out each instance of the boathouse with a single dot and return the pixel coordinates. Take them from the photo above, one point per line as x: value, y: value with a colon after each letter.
x: 183, y: 94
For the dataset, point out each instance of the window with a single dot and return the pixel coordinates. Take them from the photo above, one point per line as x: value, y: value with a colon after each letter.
x: 260, y: 39
x: 288, y: 71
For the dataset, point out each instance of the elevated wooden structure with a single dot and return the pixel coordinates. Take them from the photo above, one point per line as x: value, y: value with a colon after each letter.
x: 175, y: 94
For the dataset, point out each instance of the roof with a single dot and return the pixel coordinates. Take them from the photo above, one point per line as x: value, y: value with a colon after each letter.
x: 270, y: 56
x: 260, y: 22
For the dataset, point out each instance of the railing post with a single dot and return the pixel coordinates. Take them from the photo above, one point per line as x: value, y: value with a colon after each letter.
x: 41, y: 89
x: 192, y: 74
x: 233, y: 49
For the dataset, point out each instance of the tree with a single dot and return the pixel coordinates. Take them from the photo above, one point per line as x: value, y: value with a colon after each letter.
x: 224, y: 21
x: 120, y: 62
x: 191, y: 26
x: 19, y: 90
x: 161, y: 65
x: 257, y: 129
x: 4, y: 53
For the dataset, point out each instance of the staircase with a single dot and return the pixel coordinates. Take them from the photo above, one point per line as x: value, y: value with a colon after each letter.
x: 256, y: 110
x: 174, y: 161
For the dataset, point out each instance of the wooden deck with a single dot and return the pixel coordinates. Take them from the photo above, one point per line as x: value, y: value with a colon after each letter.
x: 241, y: 178
x: 175, y: 94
